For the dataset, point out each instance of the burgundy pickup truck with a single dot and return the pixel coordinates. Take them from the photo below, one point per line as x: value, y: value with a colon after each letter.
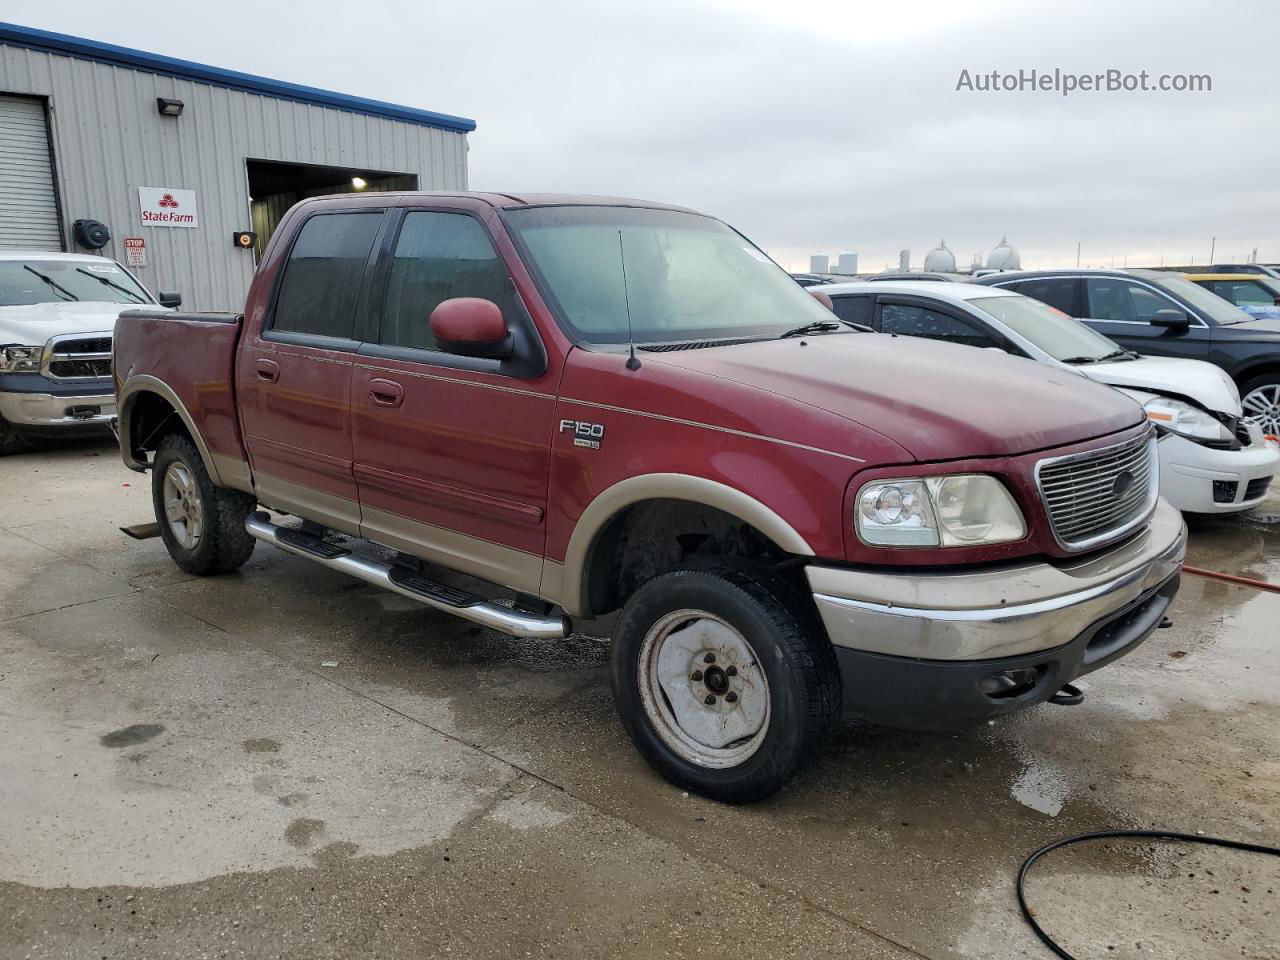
x: 608, y: 405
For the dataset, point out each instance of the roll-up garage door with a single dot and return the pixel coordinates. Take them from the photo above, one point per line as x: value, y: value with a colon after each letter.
x: 28, y: 204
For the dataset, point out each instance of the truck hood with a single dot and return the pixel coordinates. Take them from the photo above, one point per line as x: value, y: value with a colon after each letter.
x: 34, y: 324
x: 1197, y: 380
x: 939, y: 401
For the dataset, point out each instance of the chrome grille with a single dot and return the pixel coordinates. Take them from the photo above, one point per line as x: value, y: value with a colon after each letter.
x: 1099, y: 495
x: 78, y: 357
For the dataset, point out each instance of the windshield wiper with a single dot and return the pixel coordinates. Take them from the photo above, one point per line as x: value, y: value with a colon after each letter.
x: 1118, y: 355
x: 1113, y: 355
x: 58, y: 288
x: 818, y: 326
x: 111, y: 283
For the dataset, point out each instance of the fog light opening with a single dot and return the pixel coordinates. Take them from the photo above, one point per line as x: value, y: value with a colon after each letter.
x: 1008, y: 684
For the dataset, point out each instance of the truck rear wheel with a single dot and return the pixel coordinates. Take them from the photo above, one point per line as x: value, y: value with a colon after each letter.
x: 202, y: 525
x: 724, y: 687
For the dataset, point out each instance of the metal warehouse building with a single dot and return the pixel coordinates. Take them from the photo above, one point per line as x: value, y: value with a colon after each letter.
x: 180, y: 160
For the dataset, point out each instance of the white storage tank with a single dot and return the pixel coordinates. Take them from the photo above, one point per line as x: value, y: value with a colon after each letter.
x: 820, y: 263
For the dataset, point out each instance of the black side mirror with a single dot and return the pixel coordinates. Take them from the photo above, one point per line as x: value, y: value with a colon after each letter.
x: 1171, y: 319
x: 170, y: 300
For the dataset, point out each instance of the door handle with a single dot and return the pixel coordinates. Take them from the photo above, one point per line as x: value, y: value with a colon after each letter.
x: 268, y: 370
x: 385, y: 393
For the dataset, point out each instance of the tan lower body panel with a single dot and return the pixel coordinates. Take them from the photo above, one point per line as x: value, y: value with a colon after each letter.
x: 232, y: 472
x: 457, y: 551
x: 552, y: 588
x: 310, y: 504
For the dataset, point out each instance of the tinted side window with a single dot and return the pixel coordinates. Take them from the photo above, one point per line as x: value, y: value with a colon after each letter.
x: 439, y: 256
x: 853, y: 309
x: 1059, y: 292
x: 320, y: 289
x: 1122, y: 300
x: 913, y: 321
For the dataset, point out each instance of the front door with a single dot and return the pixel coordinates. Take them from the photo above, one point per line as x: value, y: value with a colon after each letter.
x: 451, y: 453
x: 1122, y: 310
x: 293, y: 377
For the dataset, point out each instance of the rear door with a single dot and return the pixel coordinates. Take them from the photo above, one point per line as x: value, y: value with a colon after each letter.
x: 451, y: 453
x: 1122, y: 309
x: 294, y: 377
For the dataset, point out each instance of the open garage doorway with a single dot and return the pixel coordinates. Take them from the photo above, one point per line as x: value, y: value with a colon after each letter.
x: 274, y: 187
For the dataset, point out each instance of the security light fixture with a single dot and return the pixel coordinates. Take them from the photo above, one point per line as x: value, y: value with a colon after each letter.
x: 168, y: 107
x: 359, y: 183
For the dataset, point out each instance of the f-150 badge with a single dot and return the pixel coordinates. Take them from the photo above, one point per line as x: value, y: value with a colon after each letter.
x: 589, y: 435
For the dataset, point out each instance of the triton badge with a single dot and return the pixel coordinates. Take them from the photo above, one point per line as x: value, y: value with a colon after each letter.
x: 585, y: 434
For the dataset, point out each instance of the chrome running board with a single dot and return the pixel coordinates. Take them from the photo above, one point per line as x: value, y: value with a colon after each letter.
x: 506, y: 620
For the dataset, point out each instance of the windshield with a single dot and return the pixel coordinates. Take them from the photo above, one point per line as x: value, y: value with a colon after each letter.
x: 26, y: 282
x: 1048, y: 328
x: 687, y: 277
x: 1210, y: 304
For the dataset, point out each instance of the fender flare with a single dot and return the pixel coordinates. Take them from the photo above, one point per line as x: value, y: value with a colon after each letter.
x: 571, y: 591
x: 145, y: 383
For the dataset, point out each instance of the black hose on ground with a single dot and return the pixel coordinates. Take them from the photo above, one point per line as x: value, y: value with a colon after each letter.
x: 1027, y: 864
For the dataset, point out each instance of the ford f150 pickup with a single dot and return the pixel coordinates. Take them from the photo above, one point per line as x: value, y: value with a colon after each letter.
x: 609, y: 405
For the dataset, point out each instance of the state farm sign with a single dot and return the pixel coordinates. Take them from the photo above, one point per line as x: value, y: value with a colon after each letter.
x: 168, y: 207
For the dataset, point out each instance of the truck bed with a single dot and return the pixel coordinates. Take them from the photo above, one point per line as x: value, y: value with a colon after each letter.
x: 189, y: 357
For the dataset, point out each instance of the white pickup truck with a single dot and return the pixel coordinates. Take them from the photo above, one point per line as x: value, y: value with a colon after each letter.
x: 57, y: 315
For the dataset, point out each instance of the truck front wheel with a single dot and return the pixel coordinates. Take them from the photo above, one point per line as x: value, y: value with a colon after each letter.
x: 202, y: 525
x: 725, y: 688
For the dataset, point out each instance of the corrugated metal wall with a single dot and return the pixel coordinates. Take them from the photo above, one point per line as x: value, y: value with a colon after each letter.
x: 109, y: 139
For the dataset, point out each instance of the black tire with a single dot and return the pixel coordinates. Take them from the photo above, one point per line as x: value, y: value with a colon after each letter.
x: 223, y: 544
x: 1272, y: 380
x: 791, y: 649
x: 11, y: 442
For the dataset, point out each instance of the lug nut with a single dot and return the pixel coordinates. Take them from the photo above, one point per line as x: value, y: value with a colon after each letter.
x: 709, y: 658
x: 697, y: 675
x: 731, y: 697
x: 732, y: 671
x: 711, y: 699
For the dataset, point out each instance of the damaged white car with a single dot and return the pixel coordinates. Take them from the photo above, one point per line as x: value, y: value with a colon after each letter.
x: 1210, y: 460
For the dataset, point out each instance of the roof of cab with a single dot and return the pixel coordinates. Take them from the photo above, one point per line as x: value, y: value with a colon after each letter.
x: 51, y: 255
x: 1226, y: 276
x: 509, y: 201
x: 924, y: 288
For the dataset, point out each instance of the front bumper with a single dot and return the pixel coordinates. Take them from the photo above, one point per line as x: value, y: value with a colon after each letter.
x: 914, y: 649
x: 44, y: 413
x: 1200, y: 479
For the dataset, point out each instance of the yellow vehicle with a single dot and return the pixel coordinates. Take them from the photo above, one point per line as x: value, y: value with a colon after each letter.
x: 1254, y: 293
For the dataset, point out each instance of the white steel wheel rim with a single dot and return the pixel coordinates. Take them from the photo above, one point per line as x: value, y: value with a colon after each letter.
x: 714, y: 713
x: 1262, y: 406
x: 183, y: 510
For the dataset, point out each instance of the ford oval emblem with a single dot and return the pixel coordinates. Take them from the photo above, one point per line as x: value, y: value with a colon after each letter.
x: 1123, y: 484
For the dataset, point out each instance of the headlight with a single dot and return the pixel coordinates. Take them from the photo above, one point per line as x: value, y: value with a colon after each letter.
x: 20, y: 359
x: 950, y: 511
x: 1185, y: 419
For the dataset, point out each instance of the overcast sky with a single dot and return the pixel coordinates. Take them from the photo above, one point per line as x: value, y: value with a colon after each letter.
x: 810, y: 126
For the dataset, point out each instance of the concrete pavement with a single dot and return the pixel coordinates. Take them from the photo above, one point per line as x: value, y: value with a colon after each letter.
x: 182, y: 776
